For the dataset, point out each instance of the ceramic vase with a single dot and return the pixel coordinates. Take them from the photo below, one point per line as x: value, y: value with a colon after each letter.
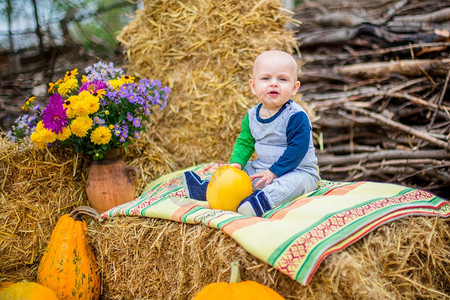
x: 110, y: 181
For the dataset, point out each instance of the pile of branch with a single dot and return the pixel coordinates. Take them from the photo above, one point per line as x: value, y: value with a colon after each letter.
x: 376, y: 73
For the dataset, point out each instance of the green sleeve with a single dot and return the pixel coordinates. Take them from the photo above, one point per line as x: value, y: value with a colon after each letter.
x: 244, y: 146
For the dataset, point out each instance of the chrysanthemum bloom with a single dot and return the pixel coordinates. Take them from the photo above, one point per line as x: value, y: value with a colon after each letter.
x: 56, y: 99
x: 101, y: 135
x: 93, y: 86
x: 42, y: 136
x: 47, y: 135
x: 37, y: 140
x: 81, y: 125
x: 39, y: 125
x: 67, y: 86
x: 92, y: 104
x: 71, y: 74
x: 54, y: 117
x: 86, y: 104
x: 64, y: 135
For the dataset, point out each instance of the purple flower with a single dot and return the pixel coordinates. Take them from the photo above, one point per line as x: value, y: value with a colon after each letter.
x: 137, y: 122
x: 140, y: 100
x: 55, y: 117
x: 130, y: 116
x: 93, y: 86
x: 98, y: 120
x: 55, y: 99
x: 137, y: 134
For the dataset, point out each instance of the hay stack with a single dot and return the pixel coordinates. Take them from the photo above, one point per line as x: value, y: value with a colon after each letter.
x: 204, y: 50
x: 37, y: 187
x: 160, y: 259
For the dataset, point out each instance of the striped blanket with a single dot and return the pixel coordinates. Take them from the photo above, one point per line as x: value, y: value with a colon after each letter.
x: 295, y: 237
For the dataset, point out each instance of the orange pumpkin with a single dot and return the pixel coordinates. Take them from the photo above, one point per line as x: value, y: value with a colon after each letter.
x: 68, y: 265
x: 227, y: 188
x: 27, y: 291
x: 245, y: 290
x: 5, y: 284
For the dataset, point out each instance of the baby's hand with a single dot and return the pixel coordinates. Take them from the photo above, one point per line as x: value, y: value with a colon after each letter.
x: 236, y: 165
x: 266, y: 177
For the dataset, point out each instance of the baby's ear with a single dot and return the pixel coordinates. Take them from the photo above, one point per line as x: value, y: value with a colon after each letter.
x: 296, y: 87
x: 251, y: 83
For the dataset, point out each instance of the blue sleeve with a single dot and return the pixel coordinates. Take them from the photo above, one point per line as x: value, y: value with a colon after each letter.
x: 298, y: 134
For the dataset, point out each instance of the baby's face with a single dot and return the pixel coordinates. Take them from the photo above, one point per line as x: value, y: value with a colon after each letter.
x: 274, y: 79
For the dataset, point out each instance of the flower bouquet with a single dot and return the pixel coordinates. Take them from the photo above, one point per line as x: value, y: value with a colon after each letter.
x: 105, y: 109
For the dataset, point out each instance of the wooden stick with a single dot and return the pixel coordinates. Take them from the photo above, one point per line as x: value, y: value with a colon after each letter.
x: 399, y: 126
x: 444, y: 90
x: 413, y: 67
x: 382, y: 155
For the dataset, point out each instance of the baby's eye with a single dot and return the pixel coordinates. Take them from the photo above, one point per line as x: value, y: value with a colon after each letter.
x: 265, y: 78
x: 283, y: 79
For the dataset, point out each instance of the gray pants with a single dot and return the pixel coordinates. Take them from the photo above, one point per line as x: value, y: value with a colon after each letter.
x: 286, y: 187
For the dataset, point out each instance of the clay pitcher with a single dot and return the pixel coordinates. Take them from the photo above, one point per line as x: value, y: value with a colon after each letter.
x: 110, y: 181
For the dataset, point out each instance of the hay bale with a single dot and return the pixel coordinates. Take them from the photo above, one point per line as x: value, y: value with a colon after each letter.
x: 37, y: 187
x: 146, y: 258
x: 204, y: 50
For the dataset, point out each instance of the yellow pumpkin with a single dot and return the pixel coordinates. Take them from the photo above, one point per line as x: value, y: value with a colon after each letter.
x: 227, y: 187
x: 27, y: 291
x: 68, y: 265
x: 244, y: 290
x: 5, y: 284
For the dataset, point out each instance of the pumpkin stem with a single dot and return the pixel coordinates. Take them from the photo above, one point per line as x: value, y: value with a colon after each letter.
x: 85, y: 210
x: 235, y: 276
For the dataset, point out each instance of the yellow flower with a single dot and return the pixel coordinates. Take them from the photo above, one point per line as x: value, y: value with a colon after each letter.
x: 48, y: 136
x: 115, y: 83
x: 51, y: 86
x: 126, y: 79
x: 65, y: 134
x: 86, y: 104
x: 71, y: 74
x: 111, y: 126
x: 28, y: 102
x: 42, y: 136
x: 99, y: 93
x: 37, y: 140
x: 67, y: 86
x: 84, y: 79
x: 81, y: 125
x: 101, y: 135
x: 39, y: 126
x: 69, y: 104
x: 107, y: 112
